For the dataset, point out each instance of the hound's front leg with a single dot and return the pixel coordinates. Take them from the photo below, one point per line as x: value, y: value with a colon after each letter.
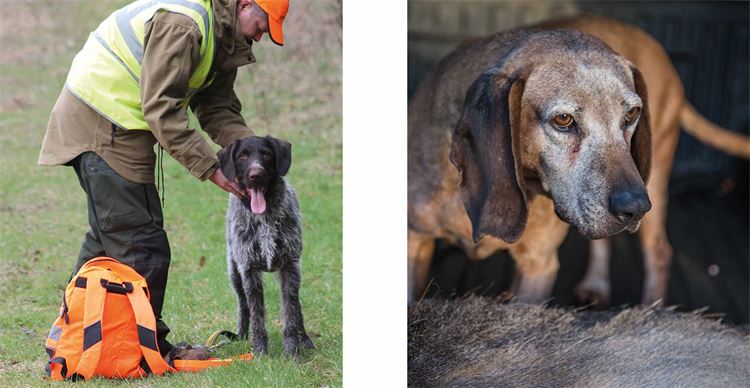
x: 420, y: 250
x: 535, y: 253
x: 595, y: 288
x: 535, y: 277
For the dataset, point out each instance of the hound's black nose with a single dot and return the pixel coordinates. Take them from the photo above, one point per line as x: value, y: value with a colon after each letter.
x: 628, y: 204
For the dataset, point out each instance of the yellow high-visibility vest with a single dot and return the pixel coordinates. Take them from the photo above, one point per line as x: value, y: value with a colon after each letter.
x: 105, y: 74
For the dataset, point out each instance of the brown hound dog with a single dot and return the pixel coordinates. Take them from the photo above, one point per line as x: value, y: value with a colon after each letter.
x: 514, y: 137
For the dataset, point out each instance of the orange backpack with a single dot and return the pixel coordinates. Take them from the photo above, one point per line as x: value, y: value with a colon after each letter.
x: 107, y: 328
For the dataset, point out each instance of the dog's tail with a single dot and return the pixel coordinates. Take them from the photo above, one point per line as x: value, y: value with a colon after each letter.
x: 711, y: 134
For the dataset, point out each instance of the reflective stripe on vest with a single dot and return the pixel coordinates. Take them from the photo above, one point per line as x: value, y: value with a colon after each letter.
x: 106, y: 73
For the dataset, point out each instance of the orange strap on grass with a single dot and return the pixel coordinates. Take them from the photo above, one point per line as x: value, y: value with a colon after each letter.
x: 199, y: 365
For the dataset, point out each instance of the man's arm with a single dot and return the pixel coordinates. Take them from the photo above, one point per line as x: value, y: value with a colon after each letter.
x: 219, y: 110
x: 171, y: 54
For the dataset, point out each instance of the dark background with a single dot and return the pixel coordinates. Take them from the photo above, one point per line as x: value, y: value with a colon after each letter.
x: 708, y: 212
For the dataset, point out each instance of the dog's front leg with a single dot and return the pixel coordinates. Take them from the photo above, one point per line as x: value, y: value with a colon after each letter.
x: 291, y: 310
x: 595, y: 288
x: 420, y: 250
x: 252, y: 282
x: 535, y: 253
x: 657, y: 252
x: 535, y: 276
x: 243, y: 309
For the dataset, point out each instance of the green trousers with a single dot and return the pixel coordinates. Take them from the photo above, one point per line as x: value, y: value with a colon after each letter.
x: 126, y: 224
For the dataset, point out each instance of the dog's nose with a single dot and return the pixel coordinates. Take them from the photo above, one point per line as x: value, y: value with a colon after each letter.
x: 255, y: 174
x: 629, y: 204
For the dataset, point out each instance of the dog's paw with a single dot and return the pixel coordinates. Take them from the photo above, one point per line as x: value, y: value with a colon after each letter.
x: 291, y: 346
x: 260, y: 347
x: 307, y: 343
x: 242, y: 335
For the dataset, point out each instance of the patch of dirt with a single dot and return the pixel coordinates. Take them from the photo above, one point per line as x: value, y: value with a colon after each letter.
x: 20, y: 366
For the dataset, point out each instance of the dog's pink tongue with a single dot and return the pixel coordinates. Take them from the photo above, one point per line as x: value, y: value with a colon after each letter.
x: 257, y: 201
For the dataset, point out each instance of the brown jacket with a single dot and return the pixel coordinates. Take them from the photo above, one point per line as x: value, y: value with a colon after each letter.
x: 170, y: 39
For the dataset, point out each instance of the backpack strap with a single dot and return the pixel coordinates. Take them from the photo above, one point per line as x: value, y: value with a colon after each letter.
x: 92, y: 329
x: 57, y: 368
x: 146, y: 323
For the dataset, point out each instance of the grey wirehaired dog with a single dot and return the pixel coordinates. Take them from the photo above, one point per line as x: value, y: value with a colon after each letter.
x: 264, y: 235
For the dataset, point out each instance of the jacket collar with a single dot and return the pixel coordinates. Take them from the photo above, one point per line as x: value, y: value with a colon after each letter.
x: 233, y: 50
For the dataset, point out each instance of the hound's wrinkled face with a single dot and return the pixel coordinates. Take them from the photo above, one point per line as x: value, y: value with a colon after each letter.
x: 563, y: 109
x: 577, y: 127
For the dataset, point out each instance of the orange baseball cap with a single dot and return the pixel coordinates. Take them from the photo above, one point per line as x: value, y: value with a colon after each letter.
x: 276, y: 10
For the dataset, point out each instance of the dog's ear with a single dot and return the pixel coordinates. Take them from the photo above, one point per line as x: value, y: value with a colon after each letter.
x: 485, y: 152
x: 640, y: 147
x: 227, y: 156
x: 283, y: 151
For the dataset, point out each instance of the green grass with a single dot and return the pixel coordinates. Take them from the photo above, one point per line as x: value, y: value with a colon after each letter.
x: 292, y: 92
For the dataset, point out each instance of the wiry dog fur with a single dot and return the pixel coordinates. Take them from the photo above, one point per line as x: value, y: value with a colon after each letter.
x: 264, y: 242
x: 479, y: 342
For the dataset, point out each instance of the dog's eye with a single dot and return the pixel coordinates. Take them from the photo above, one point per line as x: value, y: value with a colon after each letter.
x: 266, y: 155
x: 632, y: 114
x: 244, y: 156
x: 563, y: 121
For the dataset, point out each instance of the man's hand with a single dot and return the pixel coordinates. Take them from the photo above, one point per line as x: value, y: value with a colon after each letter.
x: 220, y: 180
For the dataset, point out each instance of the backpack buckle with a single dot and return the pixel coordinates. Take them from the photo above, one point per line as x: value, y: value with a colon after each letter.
x: 117, y: 288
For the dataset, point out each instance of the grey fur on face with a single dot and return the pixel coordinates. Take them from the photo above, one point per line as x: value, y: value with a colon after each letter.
x: 480, y: 342
x: 268, y: 241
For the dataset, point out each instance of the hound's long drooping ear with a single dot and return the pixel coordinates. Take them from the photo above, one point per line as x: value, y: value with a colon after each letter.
x: 485, y: 152
x: 283, y: 151
x: 227, y: 156
x: 640, y: 147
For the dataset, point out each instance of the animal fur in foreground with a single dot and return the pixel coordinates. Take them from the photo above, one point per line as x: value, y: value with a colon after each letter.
x: 481, y: 342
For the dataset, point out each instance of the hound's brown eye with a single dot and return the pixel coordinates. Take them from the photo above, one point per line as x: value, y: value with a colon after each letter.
x: 632, y: 114
x: 563, y: 120
x: 243, y: 156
